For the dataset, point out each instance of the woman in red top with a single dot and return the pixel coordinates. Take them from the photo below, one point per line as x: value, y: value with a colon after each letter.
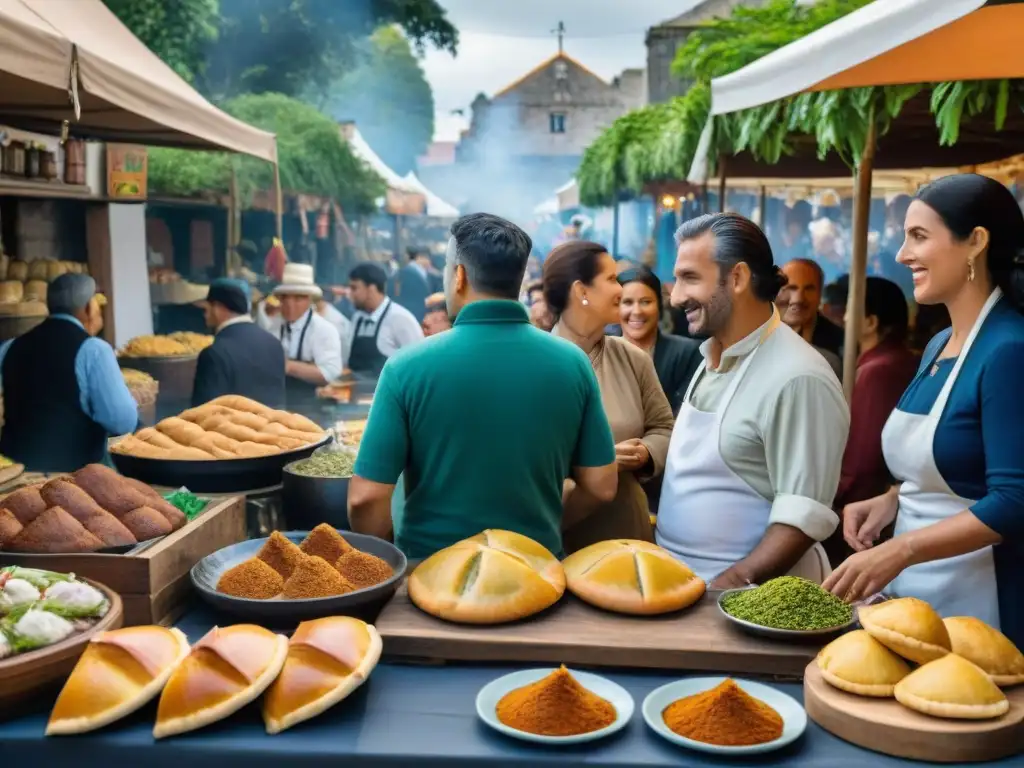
x: 884, y: 370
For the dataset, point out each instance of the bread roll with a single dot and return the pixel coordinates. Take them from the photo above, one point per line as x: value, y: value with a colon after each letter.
x: 37, y: 269
x: 239, y: 403
x: 493, y: 577
x: 35, y: 290
x: 11, y: 291
x: 631, y: 576
x: 295, y: 421
x: 181, y: 431
x: 157, y: 438
x: 17, y: 270
x: 132, y: 446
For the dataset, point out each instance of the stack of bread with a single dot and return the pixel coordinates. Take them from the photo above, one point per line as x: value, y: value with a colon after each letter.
x: 963, y: 662
x: 122, y: 670
x: 93, y: 509
x: 23, y: 284
x: 229, y: 427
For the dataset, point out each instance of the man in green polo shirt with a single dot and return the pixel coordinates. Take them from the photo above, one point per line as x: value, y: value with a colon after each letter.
x: 487, y: 421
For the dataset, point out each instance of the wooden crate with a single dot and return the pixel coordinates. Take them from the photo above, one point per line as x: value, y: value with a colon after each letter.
x: 153, y: 583
x: 572, y: 632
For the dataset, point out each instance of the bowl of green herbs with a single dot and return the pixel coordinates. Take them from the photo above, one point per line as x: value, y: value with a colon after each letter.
x: 314, y: 490
x: 787, y: 608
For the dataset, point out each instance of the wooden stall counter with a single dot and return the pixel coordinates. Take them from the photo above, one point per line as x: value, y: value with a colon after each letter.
x: 572, y: 632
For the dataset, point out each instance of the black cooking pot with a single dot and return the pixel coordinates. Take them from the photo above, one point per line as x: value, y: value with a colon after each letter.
x: 308, y: 501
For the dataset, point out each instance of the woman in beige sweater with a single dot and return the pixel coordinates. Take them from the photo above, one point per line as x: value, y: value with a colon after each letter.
x: 582, y: 292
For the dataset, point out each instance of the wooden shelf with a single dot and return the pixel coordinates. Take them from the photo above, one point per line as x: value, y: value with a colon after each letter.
x: 46, y: 189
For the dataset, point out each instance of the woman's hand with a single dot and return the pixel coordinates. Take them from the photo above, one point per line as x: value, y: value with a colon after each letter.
x: 631, y: 455
x: 863, y: 521
x: 869, y: 572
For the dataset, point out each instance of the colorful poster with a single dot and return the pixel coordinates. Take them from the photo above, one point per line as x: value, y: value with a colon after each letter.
x: 127, y: 169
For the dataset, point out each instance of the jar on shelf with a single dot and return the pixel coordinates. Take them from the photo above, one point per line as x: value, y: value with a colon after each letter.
x: 74, y: 161
x: 32, y: 166
x: 17, y: 158
x: 49, y: 165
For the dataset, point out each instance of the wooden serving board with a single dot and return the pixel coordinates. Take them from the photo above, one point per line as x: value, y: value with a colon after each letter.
x: 153, y: 582
x: 572, y: 632
x: 886, y: 726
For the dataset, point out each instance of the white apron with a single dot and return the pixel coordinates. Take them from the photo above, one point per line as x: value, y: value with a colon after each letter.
x: 957, y: 586
x: 708, y: 516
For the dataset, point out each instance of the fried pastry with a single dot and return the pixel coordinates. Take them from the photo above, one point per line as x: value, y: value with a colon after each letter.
x: 153, y: 499
x: 226, y: 669
x: 146, y: 523
x: 9, y: 526
x: 81, y: 506
x: 987, y: 648
x: 54, y: 532
x: 25, y: 503
x: 952, y: 687
x: 327, y: 660
x: 240, y: 403
x: 857, y: 663
x: 118, y: 673
x: 631, y: 576
x: 493, y: 577
x: 908, y: 626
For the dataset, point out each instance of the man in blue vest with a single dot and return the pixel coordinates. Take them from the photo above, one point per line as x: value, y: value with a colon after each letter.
x: 63, y: 389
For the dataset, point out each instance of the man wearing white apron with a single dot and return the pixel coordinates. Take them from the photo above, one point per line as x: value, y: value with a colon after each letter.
x: 755, y: 455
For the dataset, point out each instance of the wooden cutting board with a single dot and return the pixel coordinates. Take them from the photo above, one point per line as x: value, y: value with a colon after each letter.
x: 572, y: 632
x: 886, y: 726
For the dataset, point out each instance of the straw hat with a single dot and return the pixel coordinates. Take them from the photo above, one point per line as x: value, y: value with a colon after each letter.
x: 298, y: 280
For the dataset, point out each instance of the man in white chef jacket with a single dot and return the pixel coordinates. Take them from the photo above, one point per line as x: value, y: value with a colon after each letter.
x: 755, y: 455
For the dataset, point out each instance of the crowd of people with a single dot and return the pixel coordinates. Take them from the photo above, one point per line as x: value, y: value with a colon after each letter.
x: 561, y: 406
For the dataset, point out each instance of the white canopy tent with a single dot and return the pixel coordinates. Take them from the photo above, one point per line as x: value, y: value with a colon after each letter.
x: 436, y: 207
x: 362, y: 150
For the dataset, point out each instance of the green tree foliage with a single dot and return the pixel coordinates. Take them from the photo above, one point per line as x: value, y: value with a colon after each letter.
x: 389, y: 98
x: 839, y: 120
x: 178, y: 31
x: 293, y: 46
x: 312, y: 154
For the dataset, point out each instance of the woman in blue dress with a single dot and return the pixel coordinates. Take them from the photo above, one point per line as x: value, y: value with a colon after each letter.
x: 955, y: 442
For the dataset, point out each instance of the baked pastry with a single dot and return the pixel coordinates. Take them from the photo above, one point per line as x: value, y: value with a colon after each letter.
x: 9, y: 526
x: 146, y: 523
x: 857, y: 663
x: 908, y: 626
x: 631, y: 576
x: 54, y: 532
x: 81, y: 506
x: 493, y: 577
x: 26, y: 504
x: 988, y: 648
x: 952, y: 687
x: 327, y: 660
x: 119, y: 672
x: 226, y: 670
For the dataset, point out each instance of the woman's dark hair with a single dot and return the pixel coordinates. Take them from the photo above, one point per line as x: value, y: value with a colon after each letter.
x: 567, y: 263
x: 965, y: 201
x: 738, y: 239
x: 645, y: 276
x: 885, y: 300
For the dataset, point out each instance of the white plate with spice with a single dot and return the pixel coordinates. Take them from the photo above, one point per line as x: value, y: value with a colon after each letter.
x: 492, y: 693
x: 794, y: 718
x: 777, y: 633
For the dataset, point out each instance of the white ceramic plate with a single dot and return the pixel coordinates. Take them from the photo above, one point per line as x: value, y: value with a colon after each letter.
x: 794, y: 718
x: 489, y: 696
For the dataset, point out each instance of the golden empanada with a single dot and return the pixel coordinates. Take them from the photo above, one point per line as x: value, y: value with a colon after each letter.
x: 908, y: 626
x: 952, y: 687
x: 631, y: 576
x: 857, y: 663
x: 988, y: 648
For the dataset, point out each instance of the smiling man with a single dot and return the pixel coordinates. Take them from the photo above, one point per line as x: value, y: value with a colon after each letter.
x: 755, y: 455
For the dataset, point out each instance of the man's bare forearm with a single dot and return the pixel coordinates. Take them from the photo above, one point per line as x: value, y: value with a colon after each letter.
x: 778, y: 552
x: 372, y: 517
x: 577, y: 504
x: 307, y: 372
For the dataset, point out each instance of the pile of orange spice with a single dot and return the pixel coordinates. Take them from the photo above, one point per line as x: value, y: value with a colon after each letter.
x: 726, y: 716
x: 556, y: 705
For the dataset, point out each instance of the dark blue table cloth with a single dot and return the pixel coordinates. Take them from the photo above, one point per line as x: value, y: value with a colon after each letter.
x: 404, y: 716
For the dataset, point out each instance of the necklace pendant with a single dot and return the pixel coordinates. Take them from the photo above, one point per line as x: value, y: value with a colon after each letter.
x: 934, y: 370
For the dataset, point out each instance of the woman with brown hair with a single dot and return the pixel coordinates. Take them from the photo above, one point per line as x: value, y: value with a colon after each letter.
x: 582, y: 292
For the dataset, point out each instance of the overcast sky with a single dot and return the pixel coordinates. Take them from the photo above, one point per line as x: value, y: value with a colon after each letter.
x: 501, y: 40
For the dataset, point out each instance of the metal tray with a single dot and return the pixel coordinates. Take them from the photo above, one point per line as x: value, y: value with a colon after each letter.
x: 287, y: 613
x: 215, y: 475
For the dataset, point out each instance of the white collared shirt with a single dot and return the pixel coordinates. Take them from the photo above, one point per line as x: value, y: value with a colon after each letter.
x: 331, y: 314
x: 233, y: 321
x: 398, y: 329
x: 321, y: 346
x: 784, y: 433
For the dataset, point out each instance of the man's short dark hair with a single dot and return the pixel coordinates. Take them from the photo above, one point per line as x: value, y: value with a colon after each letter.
x: 370, y: 273
x: 813, y: 266
x: 885, y: 300
x: 736, y: 239
x: 493, y: 252
x: 415, y: 251
x: 836, y: 293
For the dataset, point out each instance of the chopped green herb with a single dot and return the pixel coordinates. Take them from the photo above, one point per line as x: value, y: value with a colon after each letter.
x: 326, y: 464
x: 788, y: 602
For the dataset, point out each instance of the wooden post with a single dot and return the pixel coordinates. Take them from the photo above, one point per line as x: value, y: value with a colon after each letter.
x: 762, y: 208
x: 721, y: 184
x: 279, y: 202
x: 234, y: 235
x: 859, y: 261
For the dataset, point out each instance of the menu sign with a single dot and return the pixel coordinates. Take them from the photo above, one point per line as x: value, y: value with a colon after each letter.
x: 127, y: 170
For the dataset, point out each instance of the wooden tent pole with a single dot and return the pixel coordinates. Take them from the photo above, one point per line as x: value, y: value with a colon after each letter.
x: 859, y: 261
x: 234, y: 228
x: 279, y: 202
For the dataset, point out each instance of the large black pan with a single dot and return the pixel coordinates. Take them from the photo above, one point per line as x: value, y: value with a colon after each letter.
x: 213, y: 476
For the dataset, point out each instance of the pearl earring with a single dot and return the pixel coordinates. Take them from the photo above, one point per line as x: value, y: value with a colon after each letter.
x: 585, y: 302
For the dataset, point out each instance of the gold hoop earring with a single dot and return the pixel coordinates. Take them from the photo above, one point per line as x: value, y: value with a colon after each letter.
x: 970, y: 270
